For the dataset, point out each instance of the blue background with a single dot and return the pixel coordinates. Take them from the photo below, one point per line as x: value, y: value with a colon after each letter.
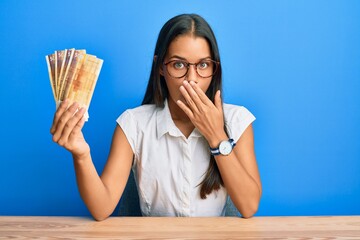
x: 294, y: 64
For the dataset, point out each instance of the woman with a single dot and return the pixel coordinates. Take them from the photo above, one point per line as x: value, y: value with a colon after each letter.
x: 180, y: 143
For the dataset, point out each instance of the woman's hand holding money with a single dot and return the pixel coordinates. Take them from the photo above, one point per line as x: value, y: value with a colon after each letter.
x: 66, y: 129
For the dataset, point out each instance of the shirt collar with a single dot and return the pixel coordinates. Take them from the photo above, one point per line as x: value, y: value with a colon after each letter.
x: 165, y: 124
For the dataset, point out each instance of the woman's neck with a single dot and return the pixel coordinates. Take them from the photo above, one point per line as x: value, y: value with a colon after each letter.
x: 179, y: 117
x: 177, y: 114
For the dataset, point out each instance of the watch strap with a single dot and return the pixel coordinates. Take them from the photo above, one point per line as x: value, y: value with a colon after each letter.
x: 216, y: 151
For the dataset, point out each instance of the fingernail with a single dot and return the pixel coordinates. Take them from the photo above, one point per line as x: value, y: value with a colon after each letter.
x: 192, y: 83
x: 185, y: 82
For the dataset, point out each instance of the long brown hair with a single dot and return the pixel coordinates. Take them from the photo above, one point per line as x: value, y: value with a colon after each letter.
x: 157, y: 91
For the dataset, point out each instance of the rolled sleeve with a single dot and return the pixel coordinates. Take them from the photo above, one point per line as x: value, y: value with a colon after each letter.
x: 237, y: 119
x: 128, y: 125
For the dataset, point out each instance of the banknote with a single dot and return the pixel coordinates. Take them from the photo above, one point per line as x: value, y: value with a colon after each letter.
x: 82, y: 88
x: 73, y: 75
x: 59, y: 63
x: 67, y: 59
x: 65, y: 72
x: 74, y: 67
x: 50, y: 60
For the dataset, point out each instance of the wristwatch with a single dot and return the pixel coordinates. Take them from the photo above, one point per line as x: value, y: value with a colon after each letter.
x: 225, y: 148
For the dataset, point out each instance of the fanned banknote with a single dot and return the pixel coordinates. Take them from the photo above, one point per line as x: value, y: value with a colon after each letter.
x: 73, y: 75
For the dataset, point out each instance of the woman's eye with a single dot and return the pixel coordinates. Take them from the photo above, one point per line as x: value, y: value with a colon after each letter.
x: 203, y: 65
x: 179, y: 65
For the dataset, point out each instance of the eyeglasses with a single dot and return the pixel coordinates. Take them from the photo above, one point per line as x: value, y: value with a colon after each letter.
x: 179, y: 68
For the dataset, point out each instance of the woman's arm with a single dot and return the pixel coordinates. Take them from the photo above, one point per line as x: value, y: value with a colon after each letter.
x: 100, y: 194
x: 239, y: 169
x: 240, y: 174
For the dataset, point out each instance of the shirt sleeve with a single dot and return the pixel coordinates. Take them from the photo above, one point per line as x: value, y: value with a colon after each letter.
x: 128, y: 125
x: 237, y: 119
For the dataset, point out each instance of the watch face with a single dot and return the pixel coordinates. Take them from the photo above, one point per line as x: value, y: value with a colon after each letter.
x: 225, y: 148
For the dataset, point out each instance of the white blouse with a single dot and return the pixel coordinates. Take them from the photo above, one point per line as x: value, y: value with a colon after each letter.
x: 168, y: 167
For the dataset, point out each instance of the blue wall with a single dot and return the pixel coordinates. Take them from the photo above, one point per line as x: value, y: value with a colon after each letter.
x: 294, y: 64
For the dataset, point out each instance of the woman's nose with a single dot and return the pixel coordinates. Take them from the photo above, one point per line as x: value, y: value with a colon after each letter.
x: 192, y: 74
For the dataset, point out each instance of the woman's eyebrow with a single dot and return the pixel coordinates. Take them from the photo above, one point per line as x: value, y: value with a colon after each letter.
x: 176, y: 56
x: 182, y: 58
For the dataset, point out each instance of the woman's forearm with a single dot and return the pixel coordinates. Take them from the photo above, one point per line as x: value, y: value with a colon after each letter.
x: 242, y: 188
x: 92, y: 190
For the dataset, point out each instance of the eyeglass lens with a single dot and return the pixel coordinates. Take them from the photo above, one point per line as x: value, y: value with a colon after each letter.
x: 179, y: 68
